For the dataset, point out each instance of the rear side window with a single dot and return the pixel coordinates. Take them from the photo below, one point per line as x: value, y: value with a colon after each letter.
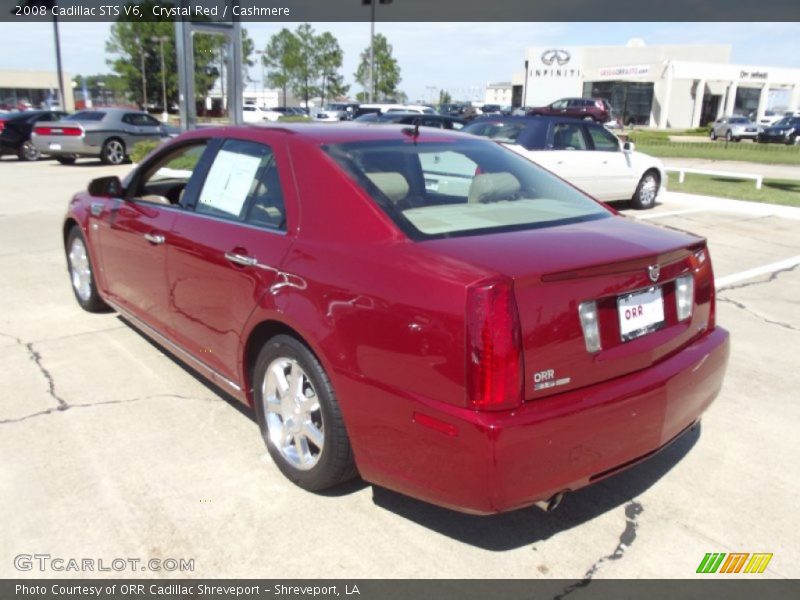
x: 568, y: 136
x: 87, y: 115
x: 140, y: 120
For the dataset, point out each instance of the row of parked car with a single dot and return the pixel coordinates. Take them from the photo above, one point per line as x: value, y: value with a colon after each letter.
x: 785, y: 130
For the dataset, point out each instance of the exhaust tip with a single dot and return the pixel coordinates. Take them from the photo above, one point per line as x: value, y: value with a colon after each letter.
x: 550, y: 504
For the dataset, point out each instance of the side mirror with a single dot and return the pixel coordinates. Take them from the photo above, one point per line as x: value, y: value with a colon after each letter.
x: 106, y: 187
x: 628, y: 147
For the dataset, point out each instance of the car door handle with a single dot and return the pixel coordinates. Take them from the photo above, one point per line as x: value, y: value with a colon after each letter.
x: 154, y: 238
x: 241, y: 259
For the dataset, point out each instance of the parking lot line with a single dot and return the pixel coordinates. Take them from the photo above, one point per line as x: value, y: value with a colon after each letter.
x: 671, y: 213
x: 781, y: 265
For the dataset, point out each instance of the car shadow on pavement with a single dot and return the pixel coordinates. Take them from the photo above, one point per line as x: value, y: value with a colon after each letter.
x: 505, y: 531
x: 527, y: 526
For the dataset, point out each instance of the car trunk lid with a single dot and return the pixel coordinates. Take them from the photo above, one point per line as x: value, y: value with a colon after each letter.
x: 554, y: 270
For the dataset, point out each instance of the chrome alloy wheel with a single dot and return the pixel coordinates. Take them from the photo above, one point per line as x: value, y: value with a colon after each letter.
x: 115, y: 152
x: 648, y: 190
x: 80, y: 270
x: 294, y: 419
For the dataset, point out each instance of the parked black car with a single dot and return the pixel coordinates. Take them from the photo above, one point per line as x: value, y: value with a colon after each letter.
x: 15, y: 131
x: 785, y: 131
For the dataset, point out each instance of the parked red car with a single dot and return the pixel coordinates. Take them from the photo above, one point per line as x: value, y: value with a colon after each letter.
x: 591, y: 109
x: 421, y: 307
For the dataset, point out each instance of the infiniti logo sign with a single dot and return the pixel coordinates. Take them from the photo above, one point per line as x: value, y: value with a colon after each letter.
x: 560, y: 57
x: 654, y: 271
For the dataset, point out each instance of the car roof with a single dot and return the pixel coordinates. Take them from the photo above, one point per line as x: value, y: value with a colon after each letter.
x: 324, y: 133
x: 531, y: 119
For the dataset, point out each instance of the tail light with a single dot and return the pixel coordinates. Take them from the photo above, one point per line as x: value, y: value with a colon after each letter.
x: 58, y: 131
x: 587, y: 311
x: 2, y: 126
x: 494, y: 347
x: 684, y: 296
x: 704, y: 291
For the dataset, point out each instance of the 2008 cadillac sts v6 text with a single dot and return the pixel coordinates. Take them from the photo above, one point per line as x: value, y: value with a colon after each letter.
x: 423, y: 308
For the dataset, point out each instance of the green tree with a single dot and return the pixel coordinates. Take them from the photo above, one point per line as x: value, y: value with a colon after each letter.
x: 307, y: 67
x: 330, y: 61
x: 387, y: 71
x: 248, y: 48
x: 445, y: 97
x: 280, y: 58
x: 133, y: 49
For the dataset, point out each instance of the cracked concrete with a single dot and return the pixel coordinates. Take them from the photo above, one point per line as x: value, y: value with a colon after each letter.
x: 148, y: 461
x: 632, y: 511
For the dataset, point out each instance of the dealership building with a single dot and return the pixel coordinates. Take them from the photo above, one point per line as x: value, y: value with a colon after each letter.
x: 658, y: 86
x: 33, y: 89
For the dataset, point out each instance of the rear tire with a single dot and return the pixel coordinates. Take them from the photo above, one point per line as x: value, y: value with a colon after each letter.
x: 28, y: 152
x: 113, y: 152
x: 645, y: 195
x: 81, y: 273
x: 299, y: 416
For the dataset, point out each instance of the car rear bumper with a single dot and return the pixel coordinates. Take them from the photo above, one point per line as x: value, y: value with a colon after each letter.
x: 480, y: 462
x: 60, y: 145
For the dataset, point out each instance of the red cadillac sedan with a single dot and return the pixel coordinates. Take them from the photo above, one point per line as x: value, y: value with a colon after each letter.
x: 423, y: 308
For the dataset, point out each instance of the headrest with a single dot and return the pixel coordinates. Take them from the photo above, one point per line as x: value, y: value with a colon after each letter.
x: 393, y: 185
x: 491, y: 187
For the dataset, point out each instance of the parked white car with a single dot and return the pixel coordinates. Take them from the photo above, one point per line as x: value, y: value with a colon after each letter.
x: 254, y: 114
x: 585, y: 154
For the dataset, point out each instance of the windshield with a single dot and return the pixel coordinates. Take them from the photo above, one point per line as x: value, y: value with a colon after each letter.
x: 463, y: 187
x: 507, y: 132
x: 739, y: 120
x: 788, y: 122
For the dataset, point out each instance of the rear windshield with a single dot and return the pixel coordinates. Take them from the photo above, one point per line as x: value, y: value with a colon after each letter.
x: 86, y: 115
x: 465, y: 187
x: 507, y: 131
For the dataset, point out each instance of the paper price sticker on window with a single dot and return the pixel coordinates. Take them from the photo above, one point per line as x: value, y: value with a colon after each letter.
x: 229, y: 180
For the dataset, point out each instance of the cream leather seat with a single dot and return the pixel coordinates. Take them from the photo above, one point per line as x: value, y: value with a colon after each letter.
x: 491, y: 187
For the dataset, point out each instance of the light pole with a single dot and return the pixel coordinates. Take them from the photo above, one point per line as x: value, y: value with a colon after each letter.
x: 144, y: 76
x: 161, y: 39
x: 372, y: 3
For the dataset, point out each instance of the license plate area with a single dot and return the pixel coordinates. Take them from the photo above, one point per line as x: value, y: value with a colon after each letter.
x: 640, y: 313
x: 55, y: 146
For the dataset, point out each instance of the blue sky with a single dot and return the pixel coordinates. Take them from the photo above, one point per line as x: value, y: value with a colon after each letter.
x: 459, y: 57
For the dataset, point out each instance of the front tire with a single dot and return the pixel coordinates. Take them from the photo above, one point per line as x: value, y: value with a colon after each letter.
x: 299, y: 416
x: 28, y: 152
x: 81, y: 273
x: 729, y: 136
x: 713, y: 135
x: 113, y: 152
x: 645, y: 195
